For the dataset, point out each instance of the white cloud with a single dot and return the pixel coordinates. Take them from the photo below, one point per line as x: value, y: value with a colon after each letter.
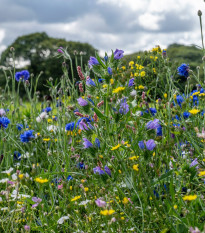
x: 150, y: 21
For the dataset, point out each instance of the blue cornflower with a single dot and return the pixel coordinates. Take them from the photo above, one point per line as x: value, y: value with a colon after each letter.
x: 91, y: 101
x: 19, y: 126
x: 70, y: 126
x: 17, y: 155
x: 186, y: 115
x: 47, y: 109
x: 100, y: 80
x: 27, y: 136
x: 153, y: 111
x: 24, y: 75
x: 159, y: 131
x: 69, y: 178
x: 109, y: 70
x: 179, y: 100
x: 4, y: 121
x: 183, y: 70
x: 81, y: 165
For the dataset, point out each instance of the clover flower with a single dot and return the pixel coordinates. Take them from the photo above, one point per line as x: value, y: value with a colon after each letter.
x: 100, y: 203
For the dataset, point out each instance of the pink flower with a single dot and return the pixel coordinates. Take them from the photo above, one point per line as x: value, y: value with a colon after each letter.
x: 60, y: 186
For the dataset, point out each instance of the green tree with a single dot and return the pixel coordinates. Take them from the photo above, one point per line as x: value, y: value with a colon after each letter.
x: 36, y: 52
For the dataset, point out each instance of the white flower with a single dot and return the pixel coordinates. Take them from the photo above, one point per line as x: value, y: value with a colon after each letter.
x: 16, y: 195
x: 84, y: 202
x: 52, y: 128
x: 8, y: 171
x: 62, y: 219
x: 14, y: 176
x: 4, y: 180
x: 133, y: 93
x: 42, y: 116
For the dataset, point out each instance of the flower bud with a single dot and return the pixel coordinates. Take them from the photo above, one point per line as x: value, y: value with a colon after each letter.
x: 199, y: 13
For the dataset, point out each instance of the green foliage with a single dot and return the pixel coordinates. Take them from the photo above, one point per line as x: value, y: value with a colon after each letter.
x: 38, y: 49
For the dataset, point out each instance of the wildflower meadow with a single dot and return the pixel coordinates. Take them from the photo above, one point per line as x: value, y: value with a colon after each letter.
x: 120, y: 148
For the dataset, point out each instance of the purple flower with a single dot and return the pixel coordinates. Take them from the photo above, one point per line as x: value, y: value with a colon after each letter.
x: 107, y: 170
x: 118, y: 54
x: 150, y: 144
x: 82, y: 102
x: 131, y: 82
x: 70, y: 126
x: 27, y: 228
x: 83, y: 126
x: 194, y: 163
x: 124, y: 107
x: 98, y: 170
x: 90, y: 82
x: 47, y: 109
x: 141, y: 145
x: 100, y: 203
x: 153, y: 124
x: 109, y: 70
x: 87, y: 143
x: 93, y: 61
x: 37, y: 200
x: 97, y: 142
x: 24, y: 75
x: 60, y: 51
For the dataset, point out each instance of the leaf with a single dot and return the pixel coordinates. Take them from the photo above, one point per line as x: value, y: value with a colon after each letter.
x: 99, y: 113
x: 100, y: 61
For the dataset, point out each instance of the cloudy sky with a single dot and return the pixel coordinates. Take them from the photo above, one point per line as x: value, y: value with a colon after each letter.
x: 130, y: 25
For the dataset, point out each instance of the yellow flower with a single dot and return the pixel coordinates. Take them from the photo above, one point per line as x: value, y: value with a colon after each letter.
x: 141, y: 87
x: 46, y: 139
x: 86, y: 189
x: 123, y: 67
x: 138, y: 57
x: 202, y: 173
x: 175, y: 96
x: 76, y: 198
x: 175, y: 207
x: 151, y: 57
x: 71, y: 188
x: 101, y: 156
x: 21, y: 176
x: 105, y: 86
x: 150, y: 198
x: 142, y: 73
x: 134, y: 157
x: 194, y: 111
x: 196, y: 93
x: 154, y: 70
x: 165, y: 95
x: 41, y: 180
x: 135, y: 167
x: 202, y: 94
x: 153, y: 154
x: 50, y: 120
x: 111, y: 81
x: 122, y: 218
x: 190, y: 197
x: 107, y: 212
x: 90, y: 219
x: 115, y: 147
x: 118, y: 89
x: 131, y: 63
x: 125, y: 200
